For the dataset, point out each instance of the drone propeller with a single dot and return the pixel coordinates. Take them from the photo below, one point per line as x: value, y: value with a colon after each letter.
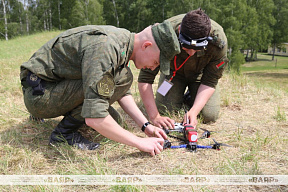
x: 206, y: 133
x: 217, y: 145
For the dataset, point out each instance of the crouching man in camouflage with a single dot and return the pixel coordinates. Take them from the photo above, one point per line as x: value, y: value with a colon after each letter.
x: 198, y: 67
x: 81, y: 72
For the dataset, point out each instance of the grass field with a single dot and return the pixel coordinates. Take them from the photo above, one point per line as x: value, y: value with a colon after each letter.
x: 267, y: 72
x: 253, y: 120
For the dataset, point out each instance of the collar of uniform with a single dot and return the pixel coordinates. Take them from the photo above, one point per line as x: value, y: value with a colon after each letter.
x: 200, y: 53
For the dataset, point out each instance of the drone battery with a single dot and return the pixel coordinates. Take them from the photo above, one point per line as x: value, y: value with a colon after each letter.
x: 191, y: 134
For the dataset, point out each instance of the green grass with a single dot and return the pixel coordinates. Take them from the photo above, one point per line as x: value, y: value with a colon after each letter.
x: 253, y: 120
x: 267, y: 72
x: 24, y: 47
x: 264, y: 62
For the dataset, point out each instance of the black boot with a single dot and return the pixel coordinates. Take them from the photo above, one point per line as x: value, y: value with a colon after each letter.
x: 67, y: 131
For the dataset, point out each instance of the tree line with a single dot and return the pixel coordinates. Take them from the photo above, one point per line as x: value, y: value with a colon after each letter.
x: 248, y: 24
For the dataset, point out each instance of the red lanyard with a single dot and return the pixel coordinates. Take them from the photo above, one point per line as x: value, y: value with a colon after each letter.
x: 176, y: 69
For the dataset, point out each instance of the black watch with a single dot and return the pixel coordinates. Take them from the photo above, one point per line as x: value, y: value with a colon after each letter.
x: 145, y: 125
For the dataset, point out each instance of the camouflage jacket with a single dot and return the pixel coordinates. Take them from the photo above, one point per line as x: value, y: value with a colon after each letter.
x: 97, y: 55
x: 207, y: 65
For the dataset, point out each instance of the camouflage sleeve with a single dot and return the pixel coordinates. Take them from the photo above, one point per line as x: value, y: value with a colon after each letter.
x: 128, y: 93
x: 98, y: 82
x: 147, y: 75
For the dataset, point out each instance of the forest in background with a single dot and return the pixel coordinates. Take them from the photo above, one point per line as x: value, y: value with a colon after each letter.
x: 248, y: 24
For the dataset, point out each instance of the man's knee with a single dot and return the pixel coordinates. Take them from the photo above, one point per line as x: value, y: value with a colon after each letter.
x: 210, y: 113
x: 211, y: 110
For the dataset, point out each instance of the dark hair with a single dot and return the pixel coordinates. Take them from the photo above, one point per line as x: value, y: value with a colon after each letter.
x: 196, y: 24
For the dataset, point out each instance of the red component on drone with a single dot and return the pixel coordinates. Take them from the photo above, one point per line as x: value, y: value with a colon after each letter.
x: 190, y: 133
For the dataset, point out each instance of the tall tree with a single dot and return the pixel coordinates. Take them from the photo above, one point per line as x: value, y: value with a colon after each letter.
x: 5, y: 21
x: 95, y: 13
x: 250, y: 29
x: 129, y: 15
x: 232, y: 18
x: 16, y: 17
x: 59, y: 3
x: 266, y: 21
x: 26, y: 8
x: 86, y: 12
x: 280, y: 32
x: 78, y: 17
x: 258, y: 33
x: 115, y: 13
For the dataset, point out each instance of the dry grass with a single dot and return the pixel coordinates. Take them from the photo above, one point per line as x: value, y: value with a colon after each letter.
x: 253, y: 120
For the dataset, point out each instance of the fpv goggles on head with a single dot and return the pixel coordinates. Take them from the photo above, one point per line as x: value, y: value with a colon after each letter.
x: 196, y: 44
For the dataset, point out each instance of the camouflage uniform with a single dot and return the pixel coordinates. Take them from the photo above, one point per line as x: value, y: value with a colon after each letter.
x: 83, y: 70
x: 205, y: 67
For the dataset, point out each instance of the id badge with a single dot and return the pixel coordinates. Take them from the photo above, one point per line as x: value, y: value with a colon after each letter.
x: 165, y: 87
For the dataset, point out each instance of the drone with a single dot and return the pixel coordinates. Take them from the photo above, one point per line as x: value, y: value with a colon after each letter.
x: 190, y: 138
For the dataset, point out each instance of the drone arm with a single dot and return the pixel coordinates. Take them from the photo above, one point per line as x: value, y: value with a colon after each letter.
x: 204, y: 147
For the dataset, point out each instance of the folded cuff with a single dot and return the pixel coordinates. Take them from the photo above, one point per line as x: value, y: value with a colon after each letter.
x: 95, y: 108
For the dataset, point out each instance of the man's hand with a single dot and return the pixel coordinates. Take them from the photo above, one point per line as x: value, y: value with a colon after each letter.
x: 191, y: 117
x: 109, y: 128
x: 153, y: 131
x: 164, y: 122
x: 147, y: 96
x: 151, y: 145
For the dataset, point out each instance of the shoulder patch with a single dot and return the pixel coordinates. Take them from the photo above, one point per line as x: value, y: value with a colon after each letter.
x: 218, y: 36
x: 219, y: 65
x: 105, y: 87
x: 222, y: 63
x: 217, y: 41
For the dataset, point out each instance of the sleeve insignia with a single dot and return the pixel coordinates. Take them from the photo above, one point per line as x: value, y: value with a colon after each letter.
x: 105, y: 86
x: 220, y: 65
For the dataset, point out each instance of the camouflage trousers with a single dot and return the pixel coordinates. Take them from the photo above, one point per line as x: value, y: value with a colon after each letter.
x: 173, y: 100
x: 59, y: 99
